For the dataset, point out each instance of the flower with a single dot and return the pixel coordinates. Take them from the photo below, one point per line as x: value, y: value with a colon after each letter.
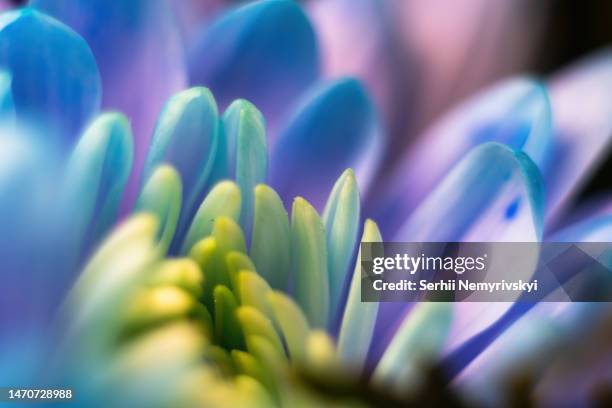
x: 210, y: 293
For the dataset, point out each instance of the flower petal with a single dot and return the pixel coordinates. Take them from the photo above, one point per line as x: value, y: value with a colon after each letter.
x: 140, y: 57
x: 265, y: 52
x: 292, y: 323
x: 335, y: 127
x: 7, y: 106
x: 582, y: 130
x: 186, y: 137
x: 417, y: 343
x: 97, y: 172
x: 223, y: 200
x: 55, y: 81
x: 245, y: 134
x: 341, y: 219
x: 309, y: 259
x: 161, y: 195
x: 359, y: 317
x: 494, y: 194
x: 271, y: 224
x: 515, y: 112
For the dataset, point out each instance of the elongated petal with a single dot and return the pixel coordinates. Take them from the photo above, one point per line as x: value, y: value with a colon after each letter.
x: 271, y: 224
x: 494, y: 194
x: 55, y: 80
x: 417, y: 343
x: 515, y: 112
x: 118, y: 267
x: 223, y: 200
x: 292, y: 322
x: 359, y: 317
x: 245, y: 134
x: 254, y: 323
x: 162, y: 195
x: 96, y: 176
x: 227, y: 327
x: 183, y: 273
x: 335, y: 127
x: 582, y: 130
x: 254, y: 292
x: 243, y: 55
x: 309, y: 260
x: 186, y: 137
x: 140, y: 56
x: 341, y: 219
x: 7, y: 106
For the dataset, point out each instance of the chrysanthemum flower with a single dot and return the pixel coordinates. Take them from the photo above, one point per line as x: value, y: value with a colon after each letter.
x: 168, y: 258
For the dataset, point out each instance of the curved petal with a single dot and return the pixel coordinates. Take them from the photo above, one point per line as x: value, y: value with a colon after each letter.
x: 140, y: 57
x: 515, y: 112
x: 55, y: 81
x: 245, y: 135
x: 309, y: 257
x: 582, y: 106
x: 359, y: 319
x: 341, y: 219
x: 186, y: 136
x: 161, y: 195
x: 335, y: 127
x: 494, y: 194
x: 96, y: 176
x: 271, y: 224
x: 265, y: 52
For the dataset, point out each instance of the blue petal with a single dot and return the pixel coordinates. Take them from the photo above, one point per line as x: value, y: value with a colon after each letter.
x: 186, y: 136
x: 471, y: 204
x: 7, y: 107
x: 55, y: 81
x: 138, y: 49
x: 265, y: 52
x: 515, y: 112
x: 333, y: 129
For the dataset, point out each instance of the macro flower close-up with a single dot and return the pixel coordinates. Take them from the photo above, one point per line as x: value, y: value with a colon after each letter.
x: 198, y: 199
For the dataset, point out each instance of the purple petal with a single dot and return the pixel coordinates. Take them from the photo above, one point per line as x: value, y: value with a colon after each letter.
x: 581, y: 98
x: 515, y: 112
x: 138, y: 49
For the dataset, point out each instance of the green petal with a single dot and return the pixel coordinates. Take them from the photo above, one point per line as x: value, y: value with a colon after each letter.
x: 253, y: 291
x: 183, y: 273
x: 249, y: 365
x: 359, y: 317
x: 93, y: 307
x: 227, y: 328
x: 417, y: 343
x: 271, y: 224
x: 97, y: 173
x: 246, y: 142
x: 205, y: 253
x: 341, y: 219
x: 222, y: 200
x: 228, y: 235
x: 236, y: 262
x: 292, y: 323
x: 309, y: 253
x: 255, y: 323
x: 320, y: 351
x: 162, y: 196
x: 155, y: 306
x: 186, y: 137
